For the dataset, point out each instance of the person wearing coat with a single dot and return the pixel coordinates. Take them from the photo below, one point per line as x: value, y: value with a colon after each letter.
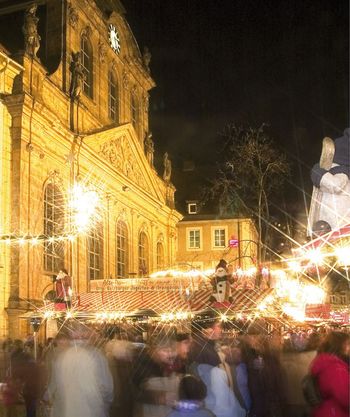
x: 331, y: 370
x: 208, y: 363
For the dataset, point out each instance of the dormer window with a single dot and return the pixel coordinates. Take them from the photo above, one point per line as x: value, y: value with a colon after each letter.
x: 192, y: 208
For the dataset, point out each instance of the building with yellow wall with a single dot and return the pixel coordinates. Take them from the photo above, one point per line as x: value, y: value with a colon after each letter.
x: 204, y: 239
x: 76, y: 120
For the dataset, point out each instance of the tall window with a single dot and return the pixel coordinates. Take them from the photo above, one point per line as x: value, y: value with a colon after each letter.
x: 122, y: 249
x: 160, y: 256
x: 112, y: 97
x: 143, y: 254
x: 134, y: 110
x: 219, y: 238
x: 87, y: 63
x: 95, y: 252
x: 194, y: 239
x: 53, y: 228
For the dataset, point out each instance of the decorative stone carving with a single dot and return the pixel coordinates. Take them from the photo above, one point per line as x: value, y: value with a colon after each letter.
x: 77, y: 76
x: 167, y: 168
x: 87, y: 31
x: 119, y: 154
x: 146, y: 102
x: 126, y: 80
x: 30, y: 31
x: 149, y: 148
x: 72, y: 15
x: 113, y: 65
x: 102, y: 52
x: 146, y: 58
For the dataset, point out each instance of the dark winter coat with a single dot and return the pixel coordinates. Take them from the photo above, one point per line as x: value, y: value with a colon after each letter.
x: 332, y: 375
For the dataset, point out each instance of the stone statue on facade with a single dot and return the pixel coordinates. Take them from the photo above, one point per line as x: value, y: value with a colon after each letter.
x: 149, y: 148
x: 146, y: 58
x: 77, y: 76
x: 30, y: 31
x: 167, y: 168
x: 330, y: 202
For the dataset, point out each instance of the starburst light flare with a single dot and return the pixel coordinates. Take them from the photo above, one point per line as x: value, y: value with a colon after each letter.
x: 84, y: 204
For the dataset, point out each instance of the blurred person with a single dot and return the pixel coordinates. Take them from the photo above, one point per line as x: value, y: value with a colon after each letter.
x: 155, y: 383
x: 25, y: 369
x: 192, y: 392
x: 183, y: 346
x: 120, y: 355
x: 234, y: 356
x: 331, y: 370
x: 211, y: 367
x: 295, y: 366
x: 81, y: 384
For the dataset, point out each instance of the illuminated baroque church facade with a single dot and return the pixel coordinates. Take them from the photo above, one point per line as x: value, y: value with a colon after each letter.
x: 74, y: 113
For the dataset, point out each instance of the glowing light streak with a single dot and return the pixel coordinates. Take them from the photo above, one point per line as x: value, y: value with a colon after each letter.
x: 84, y: 203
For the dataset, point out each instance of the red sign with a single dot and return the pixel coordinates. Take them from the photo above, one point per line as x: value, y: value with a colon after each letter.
x: 340, y: 317
x: 317, y: 311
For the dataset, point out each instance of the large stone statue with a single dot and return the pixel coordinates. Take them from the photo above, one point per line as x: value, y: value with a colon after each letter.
x: 330, y: 201
x: 167, y: 168
x: 146, y: 58
x: 149, y: 148
x: 30, y: 31
x: 77, y: 77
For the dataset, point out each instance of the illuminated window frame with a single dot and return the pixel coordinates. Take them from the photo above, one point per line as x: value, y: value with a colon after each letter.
x: 143, y: 254
x: 53, y: 228
x: 160, y: 256
x: 194, y: 238
x: 95, y: 252
x: 87, y: 64
x: 122, y: 249
x: 113, y: 97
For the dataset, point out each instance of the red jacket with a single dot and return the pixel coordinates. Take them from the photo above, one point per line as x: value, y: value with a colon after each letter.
x: 332, y: 374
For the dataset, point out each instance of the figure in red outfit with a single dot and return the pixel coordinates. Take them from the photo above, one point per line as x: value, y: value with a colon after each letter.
x: 331, y: 370
x: 63, y: 286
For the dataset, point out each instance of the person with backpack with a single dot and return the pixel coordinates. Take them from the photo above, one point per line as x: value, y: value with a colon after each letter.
x: 330, y: 369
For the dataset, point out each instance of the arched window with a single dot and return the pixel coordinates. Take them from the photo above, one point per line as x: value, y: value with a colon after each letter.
x: 87, y: 64
x: 113, y: 97
x: 53, y: 228
x: 143, y: 254
x: 122, y: 249
x: 134, y: 110
x: 95, y: 252
x: 160, y: 256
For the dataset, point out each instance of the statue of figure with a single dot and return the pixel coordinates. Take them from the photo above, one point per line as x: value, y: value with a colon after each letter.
x: 149, y: 148
x: 167, y: 167
x: 146, y: 58
x: 30, y: 31
x: 330, y: 203
x: 77, y: 77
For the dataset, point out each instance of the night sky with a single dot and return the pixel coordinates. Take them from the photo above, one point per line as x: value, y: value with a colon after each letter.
x: 282, y: 62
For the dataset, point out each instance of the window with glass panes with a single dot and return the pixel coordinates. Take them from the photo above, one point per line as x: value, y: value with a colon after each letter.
x: 95, y: 251
x: 112, y: 97
x: 219, y: 238
x: 53, y: 228
x: 143, y: 254
x: 194, y: 239
x: 122, y: 249
x: 87, y: 64
x: 160, y: 256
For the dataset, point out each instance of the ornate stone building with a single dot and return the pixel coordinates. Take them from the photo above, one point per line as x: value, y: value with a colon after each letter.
x: 74, y: 112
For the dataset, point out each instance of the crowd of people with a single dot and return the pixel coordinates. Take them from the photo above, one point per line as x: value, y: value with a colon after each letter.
x: 204, y: 372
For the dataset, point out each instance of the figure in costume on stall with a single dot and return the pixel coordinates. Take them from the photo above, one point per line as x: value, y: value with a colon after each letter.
x: 330, y: 203
x: 63, y: 286
x: 221, y: 283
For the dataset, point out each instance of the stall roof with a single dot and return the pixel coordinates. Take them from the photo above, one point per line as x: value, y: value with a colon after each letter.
x: 161, y: 302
